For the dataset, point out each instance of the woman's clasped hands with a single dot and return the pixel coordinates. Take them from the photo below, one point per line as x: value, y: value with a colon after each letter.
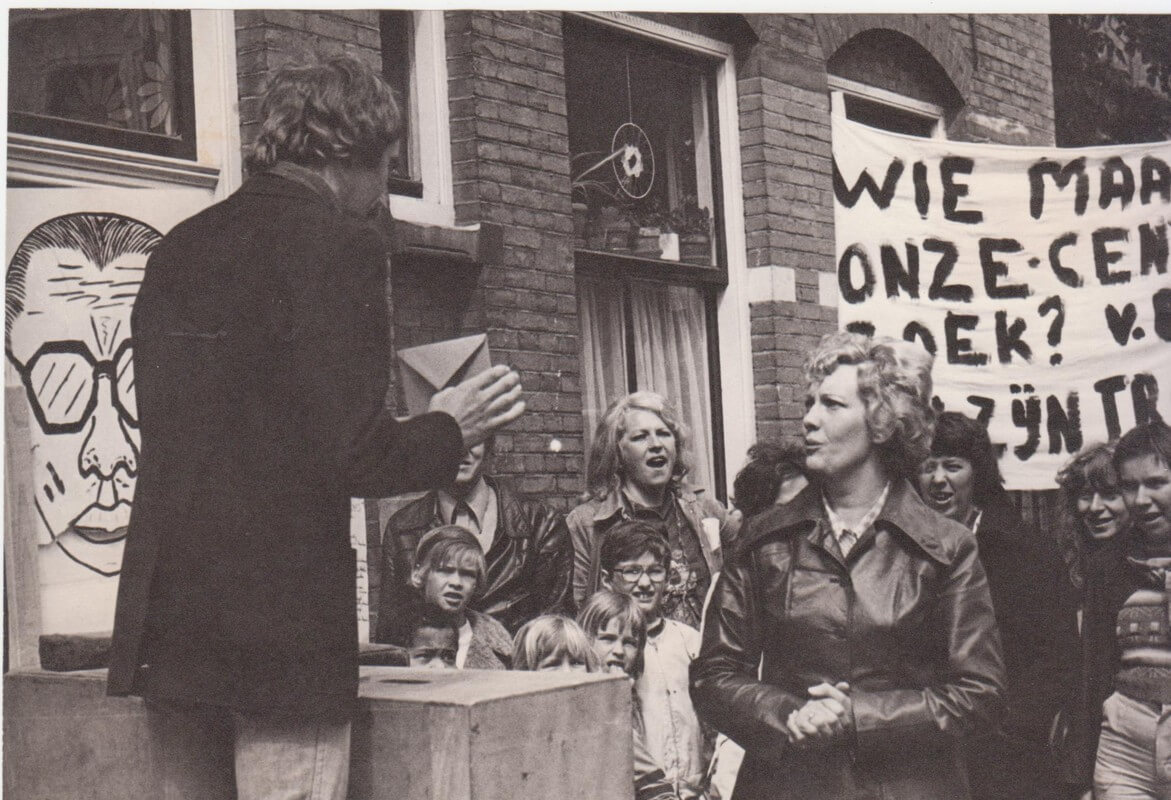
x: 825, y: 717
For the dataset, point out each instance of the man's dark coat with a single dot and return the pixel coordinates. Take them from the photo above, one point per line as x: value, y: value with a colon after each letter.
x: 261, y: 352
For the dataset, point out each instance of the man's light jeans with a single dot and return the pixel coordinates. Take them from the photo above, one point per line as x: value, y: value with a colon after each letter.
x: 212, y: 753
x: 1134, y: 751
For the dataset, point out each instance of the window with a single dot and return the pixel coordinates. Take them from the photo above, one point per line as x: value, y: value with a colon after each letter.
x: 650, y: 335
x: 649, y: 238
x: 398, y: 48
x: 644, y: 148
x: 414, y: 63
x: 887, y: 110
x: 116, y: 78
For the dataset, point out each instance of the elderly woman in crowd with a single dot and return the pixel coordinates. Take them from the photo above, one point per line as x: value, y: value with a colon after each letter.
x: 637, y: 463
x: 1038, y: 624
x: 850, y: 642
x: 1095, y: 532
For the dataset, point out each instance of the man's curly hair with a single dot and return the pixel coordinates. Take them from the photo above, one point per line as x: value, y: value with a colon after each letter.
x: 340, y: 110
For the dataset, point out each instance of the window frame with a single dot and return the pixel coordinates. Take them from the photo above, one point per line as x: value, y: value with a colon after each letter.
x: 183, y: 146
x: 596, y: 261
x: 35, y: 160
x: 729, y: 335
x: 436, y: 206
x: 840, y: 87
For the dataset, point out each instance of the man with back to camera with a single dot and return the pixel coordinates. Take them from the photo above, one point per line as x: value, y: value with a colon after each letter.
x: 261, y: 333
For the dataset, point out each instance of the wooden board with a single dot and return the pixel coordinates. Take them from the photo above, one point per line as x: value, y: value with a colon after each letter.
x: 420, y: 735
x: 21, y: 584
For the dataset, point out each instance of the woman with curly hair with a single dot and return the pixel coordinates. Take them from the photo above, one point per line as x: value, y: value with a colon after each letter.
x: 850, y: 643
x: 1095, y: 532
x: 637, y: 464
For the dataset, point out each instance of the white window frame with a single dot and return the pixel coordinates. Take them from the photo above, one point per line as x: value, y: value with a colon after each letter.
x: 429, y: 90
x: 216, y: 168
x: 840, y: 87
x: 737, y: 391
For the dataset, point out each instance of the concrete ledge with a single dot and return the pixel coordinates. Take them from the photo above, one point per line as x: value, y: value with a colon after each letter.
x: 457, y: 246
x: 440, y: 735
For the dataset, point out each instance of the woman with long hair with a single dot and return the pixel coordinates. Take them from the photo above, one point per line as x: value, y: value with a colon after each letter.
x: 1095, y: 533
x: 637, y: 466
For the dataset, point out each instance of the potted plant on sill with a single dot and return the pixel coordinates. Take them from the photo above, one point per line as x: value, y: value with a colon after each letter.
x: 615, y: 227
x: 651, y: 220
x: 694, y: 226
x: 589, y: 197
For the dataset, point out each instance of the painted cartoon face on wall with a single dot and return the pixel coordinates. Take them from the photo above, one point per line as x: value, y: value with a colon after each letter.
x: 71, y: 287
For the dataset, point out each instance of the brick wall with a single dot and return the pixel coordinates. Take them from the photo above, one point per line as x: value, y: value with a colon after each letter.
x: 1011, y: 96
x: 788, y: 204
x: 510, y: 150
x: 994, y: 80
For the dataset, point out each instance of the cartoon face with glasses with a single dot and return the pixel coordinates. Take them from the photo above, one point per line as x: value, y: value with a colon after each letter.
x: 71, y: 286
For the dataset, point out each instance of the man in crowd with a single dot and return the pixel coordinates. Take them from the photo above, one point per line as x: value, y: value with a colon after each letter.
x: 526, y: 544
x: 260, y: 334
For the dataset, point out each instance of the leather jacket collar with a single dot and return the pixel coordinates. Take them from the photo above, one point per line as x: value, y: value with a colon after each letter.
x: 904, y: 511
x: 612, y: 504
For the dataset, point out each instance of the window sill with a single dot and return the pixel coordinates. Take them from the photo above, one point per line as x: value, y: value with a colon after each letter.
x: 53, y: 162
x: 422, y: 212
x: 606, y: 263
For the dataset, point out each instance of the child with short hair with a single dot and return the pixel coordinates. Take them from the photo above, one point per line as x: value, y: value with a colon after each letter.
x: 431, y: 641
x: 433, y: 645
x: 447, y: 573
x: 616, y: 626
x: 634, y: 562
x: 552, y: 642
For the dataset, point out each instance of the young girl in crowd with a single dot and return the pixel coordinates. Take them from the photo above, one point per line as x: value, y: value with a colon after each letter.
x: 635, y: 562
x: 448, y: 571
x: 617, y: 628
x: 553, y: 642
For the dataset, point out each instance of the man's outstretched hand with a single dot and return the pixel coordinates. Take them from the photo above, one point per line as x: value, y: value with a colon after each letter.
x: 483, y: 403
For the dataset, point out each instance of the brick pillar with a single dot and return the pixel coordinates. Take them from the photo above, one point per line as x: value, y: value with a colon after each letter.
x: 788, y: 208
x: 510, y: 153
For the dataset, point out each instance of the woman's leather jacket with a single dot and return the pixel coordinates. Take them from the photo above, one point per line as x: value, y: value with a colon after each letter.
x: 906, y: 620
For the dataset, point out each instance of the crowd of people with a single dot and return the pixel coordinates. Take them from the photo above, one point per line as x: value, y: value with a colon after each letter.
x: 870, y: 618
x: 879, y: 617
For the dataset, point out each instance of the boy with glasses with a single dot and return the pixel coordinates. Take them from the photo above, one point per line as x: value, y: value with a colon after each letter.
x: 634, y: 561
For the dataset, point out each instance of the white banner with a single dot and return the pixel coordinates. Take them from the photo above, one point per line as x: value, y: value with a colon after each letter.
x: 1038, y: 277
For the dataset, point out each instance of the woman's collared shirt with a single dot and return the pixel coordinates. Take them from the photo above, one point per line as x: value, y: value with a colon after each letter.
x: 673, y: 733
